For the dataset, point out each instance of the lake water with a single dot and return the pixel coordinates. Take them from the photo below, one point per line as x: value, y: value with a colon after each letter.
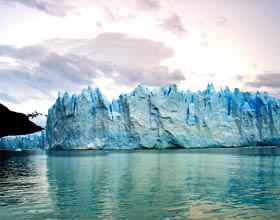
x: 149, y: 184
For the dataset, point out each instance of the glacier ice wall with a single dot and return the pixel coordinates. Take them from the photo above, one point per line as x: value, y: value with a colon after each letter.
x: 30, y: 141
x: 163, y: 118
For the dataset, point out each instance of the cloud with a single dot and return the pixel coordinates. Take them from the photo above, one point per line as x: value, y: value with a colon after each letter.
x: 25, y: 54
x: 113, y: 15
x: 205, y: 44
x: 239, y: 78
x: 71, y: 64
x: 39, y: 73
x: 117, y: 47
x: 221, y: 21
x: 51, y: 7
x: 155, y: 76
x: 148, y: 4
x: 174, y: 25
x: 22, y: 86
x: 6, y: 97
x: 266, y: 79
x: 55, y: 72
x: 110, y: 16
x: 99, y: 25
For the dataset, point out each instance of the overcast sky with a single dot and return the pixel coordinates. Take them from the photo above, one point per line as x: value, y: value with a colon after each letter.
x: 48, y: 46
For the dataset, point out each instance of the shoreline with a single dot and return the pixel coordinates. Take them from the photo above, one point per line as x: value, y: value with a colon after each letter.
x: 145, y: 149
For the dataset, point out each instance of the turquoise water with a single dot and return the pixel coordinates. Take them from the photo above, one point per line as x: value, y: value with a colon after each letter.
x: 151, y: 184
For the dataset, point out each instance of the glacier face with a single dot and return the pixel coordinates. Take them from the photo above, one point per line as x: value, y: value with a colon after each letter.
x: 163, y: 118
x: 28, y: 141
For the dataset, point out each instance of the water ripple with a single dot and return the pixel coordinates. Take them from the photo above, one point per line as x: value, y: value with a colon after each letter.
x: 178, y: 184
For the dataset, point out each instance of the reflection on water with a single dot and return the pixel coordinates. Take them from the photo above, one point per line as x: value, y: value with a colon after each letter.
x: 23, y: 185
x: 150, y: 184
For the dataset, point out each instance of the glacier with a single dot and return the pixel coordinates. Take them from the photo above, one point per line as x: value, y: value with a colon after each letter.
x: 35, y: 140
x: 163, y: 118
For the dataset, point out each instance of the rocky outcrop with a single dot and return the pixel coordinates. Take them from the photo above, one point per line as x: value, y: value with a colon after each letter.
x: 163, y: 118
x: 14, y: 123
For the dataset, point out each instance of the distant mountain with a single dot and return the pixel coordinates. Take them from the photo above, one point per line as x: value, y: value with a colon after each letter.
x: 38, y: 118
x: 14, y: 123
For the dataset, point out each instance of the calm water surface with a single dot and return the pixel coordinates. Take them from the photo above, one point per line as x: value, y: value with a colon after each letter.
x: 150, y: 184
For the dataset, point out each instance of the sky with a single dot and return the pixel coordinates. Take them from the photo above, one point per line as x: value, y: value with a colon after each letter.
x: 47, y: 46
